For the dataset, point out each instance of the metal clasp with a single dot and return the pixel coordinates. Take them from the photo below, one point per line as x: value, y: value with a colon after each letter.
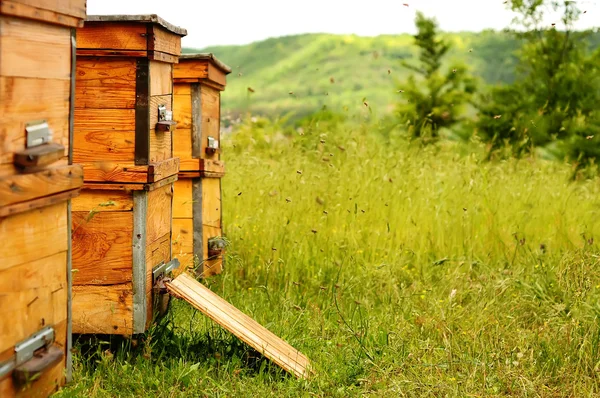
x: 25, y: 350
x: 38, y: 133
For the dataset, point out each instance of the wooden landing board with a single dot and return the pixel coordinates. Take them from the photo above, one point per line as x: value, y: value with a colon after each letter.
x: 240, y: 324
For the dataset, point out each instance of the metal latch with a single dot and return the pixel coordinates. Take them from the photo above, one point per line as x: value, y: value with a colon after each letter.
x: 38, y: 133
x: 213, y: 145
x: 165, y: 119
x: 164, y: 269
x: 32, y: 356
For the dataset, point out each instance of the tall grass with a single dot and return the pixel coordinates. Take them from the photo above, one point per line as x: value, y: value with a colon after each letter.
x: 400, y: 270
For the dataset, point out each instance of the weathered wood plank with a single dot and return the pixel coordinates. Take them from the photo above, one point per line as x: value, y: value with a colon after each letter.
x: 109, y: 119
x: 103, y: 145
x: 211, y: 202
x: 32, y: 295
x: 163, y: 169
x: 211, y: 114
x: 160, y: 142
x: 74, y: 8
x: 164, y: 41
x: 112, y: 36
x: 122, y: 172
x: 183, y: 242
x: 158, y: 221
x: 182, y: 112
x: 240, y: 324
x: 99, y: 200
x: 103, y: 309
x: 25, y: 100
x: 15, y: 8
x: 105, y: 83
x: 34, y: 49
x: 102, y: 249
x: 38, y: 202
x: 161, y: 78
x: 190, y: 70
x: 24, y: 187
x: 182, y: 199
x: 182, y: 149
x: 32, y: 235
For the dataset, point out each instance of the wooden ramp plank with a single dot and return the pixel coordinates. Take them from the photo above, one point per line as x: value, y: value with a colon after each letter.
x: 240, y: 324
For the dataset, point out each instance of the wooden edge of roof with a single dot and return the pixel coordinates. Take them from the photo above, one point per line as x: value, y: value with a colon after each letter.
x: 148, y: 18
x: 207, y: 56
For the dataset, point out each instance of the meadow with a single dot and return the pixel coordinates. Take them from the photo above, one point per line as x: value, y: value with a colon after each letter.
x: 398, y: 269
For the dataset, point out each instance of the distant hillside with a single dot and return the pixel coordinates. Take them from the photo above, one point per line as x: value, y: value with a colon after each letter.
x: 341, y: 70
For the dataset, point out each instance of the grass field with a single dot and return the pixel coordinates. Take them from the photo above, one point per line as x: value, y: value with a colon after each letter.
x: 399, y: 270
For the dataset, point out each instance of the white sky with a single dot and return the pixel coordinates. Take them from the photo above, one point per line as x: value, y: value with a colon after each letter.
x: 245, y: 21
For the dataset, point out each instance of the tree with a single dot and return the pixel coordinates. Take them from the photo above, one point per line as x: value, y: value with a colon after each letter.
x: 434, y: 98
x: 555, y: 96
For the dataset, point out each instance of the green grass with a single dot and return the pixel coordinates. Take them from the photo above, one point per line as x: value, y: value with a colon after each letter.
x: 399, y: 270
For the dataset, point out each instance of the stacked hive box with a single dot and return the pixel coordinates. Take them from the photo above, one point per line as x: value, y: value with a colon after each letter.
x: 37, y: 181
x: 123, y: 137
x: 199, y: 79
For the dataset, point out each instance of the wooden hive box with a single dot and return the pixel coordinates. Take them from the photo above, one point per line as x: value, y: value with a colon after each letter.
x: 37, y: 181
x: 199, y: 80
x: 123, y: 137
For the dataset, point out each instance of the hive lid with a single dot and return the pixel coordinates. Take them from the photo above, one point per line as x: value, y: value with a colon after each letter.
x: 207, y: 56
x: 149, y: 18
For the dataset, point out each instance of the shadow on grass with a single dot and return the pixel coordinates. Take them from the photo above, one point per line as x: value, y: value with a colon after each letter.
x: 165, y: 341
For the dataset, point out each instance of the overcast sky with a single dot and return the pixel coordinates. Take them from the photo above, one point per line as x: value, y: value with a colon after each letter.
x: 244, y: 21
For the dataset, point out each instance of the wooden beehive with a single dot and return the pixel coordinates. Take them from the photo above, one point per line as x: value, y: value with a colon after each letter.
x: 123, y: 137
x: 37, y: 182
x: 197, y: 226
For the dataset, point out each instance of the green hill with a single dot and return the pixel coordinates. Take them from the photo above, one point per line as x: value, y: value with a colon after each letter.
x: 341, y: 70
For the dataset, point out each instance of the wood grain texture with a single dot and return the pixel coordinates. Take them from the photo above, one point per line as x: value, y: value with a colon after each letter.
x: 75, y: 8
x: 161, y: 78
x: 211, y: 202
x: 32, y: 235
x: 183, y: 243
x: 107, y: 119
x: 105, y: 83
x: 163, y: 169
x: 16, y: 8
x: 34, y: 49
x: 164, y: 41
x: 182, y: 149
x: 102, y: 249
x: 182, y: 199
x: 182, y: 112
x: 38, y: 202
x: 190, y: 69
x: 103, y: 145
x: 241, y: 325
x: 25, y: 100
x: 180, y: 89
x: 121, y: 172
x: 103, y: 200
x: 103, y: 309
x: 158, y: 221
x: 32, y: 295
x: 211, y: 114
x: 161, y: 144
x: 112, y: 36
x: 24, y: 187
